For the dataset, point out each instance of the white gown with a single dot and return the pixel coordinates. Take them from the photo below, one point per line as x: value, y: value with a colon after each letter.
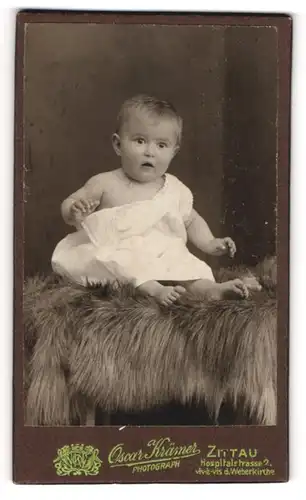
x: 135, y: 242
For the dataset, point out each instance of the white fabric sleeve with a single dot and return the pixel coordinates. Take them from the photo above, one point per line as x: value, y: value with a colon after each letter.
x: 185, y: 201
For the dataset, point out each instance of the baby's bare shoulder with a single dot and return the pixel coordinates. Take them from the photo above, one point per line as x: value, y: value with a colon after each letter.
x: 96, y: 185
x: 100, y: 181
x: 99, y: 178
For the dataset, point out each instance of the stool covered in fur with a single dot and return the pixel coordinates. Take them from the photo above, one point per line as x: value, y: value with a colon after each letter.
x: 108, y: 346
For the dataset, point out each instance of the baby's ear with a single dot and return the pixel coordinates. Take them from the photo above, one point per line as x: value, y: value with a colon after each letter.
x: 116, y: 143
x: 176, y: 150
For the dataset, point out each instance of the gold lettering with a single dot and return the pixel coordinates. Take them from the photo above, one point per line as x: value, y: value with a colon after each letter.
x: 190, y: 449
x: 158, y: 449
x: 115, y: 454
x: 147, y: 456
x: 179, y: 450
x: 211, y: 453
x: 243, y: 453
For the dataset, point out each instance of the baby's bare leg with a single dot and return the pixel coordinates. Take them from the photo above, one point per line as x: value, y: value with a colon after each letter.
x: 165, y: 295
x: 217, y: 291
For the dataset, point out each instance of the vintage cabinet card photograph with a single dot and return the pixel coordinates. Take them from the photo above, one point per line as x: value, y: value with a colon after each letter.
x: 151, y: 247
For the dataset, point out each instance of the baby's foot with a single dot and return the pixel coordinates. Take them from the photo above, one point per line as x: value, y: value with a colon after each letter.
x: 234, y: 288
x: 167, y: 295
x: 251, y: 283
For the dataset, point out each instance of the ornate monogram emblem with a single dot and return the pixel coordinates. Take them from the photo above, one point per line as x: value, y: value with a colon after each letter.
x: 77, y: 460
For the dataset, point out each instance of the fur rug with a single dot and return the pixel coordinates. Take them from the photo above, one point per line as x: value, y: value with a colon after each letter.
x: 107, y: 346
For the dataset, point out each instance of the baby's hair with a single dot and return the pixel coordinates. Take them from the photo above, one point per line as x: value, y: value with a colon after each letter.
x: 162, y: 109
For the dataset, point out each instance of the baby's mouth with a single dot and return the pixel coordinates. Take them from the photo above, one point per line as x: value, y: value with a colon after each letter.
x: 147, y: 164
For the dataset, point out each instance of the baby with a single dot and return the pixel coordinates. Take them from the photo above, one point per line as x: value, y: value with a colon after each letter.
x: 133, y: 223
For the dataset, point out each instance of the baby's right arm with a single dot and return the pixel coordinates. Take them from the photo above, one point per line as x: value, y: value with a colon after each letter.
x: 84, y: 201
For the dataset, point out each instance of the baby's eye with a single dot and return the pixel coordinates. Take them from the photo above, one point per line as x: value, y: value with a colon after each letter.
x: 162, y: 145
x: 140, y: 140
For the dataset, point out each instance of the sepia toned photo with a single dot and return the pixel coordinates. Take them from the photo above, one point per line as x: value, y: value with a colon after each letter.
x: 150, y: 224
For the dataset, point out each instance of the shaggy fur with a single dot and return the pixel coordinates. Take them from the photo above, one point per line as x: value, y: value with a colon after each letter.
x: 108, y: 346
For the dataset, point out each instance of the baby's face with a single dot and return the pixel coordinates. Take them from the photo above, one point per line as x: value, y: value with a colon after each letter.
x: 147, y: 145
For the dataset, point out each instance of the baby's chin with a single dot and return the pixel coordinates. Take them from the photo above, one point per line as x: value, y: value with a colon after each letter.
x: 144, y: 174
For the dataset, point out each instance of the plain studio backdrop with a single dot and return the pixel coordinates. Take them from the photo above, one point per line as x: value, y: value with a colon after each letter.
x: 223, y: 82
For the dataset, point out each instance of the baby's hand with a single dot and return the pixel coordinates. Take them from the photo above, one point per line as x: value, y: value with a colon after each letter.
x: 230, y: 246
x: 222, y: 246
x: 81, y: 209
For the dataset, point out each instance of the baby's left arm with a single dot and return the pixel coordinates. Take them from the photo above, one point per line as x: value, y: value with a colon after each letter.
x: 198, y: 231
x: 201, y: 236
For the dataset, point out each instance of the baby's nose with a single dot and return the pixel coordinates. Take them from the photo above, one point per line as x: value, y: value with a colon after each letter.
x: 149, y: 150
